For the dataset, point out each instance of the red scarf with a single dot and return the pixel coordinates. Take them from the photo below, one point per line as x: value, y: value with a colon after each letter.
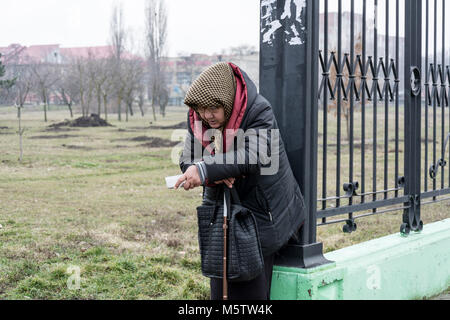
x: 233, y: 124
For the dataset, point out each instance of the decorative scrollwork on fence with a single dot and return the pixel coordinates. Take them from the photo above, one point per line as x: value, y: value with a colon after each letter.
x: 337, y: 82
x: 433, y: 89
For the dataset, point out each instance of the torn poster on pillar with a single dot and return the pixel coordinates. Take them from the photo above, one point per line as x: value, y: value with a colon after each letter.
x: 288, y: 16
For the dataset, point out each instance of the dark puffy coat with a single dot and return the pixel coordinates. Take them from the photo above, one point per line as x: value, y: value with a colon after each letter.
x: 275, y: 199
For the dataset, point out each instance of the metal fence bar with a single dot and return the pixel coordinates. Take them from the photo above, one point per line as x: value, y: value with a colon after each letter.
x: 363, y: 103
x: 362, y: 206
x: 309, y: 236
x: 447, y: 77
x: 442, y: 74
x: 325, y: 110
x: 446, y: 71
x: 375, y: 102
x: 435, y: 201
x: 362, y: 195
x: 352, y: 101
x: 435, y: 90
x: 427, y: 88
x: 339, y: 80
x: 386, y: 101
x: 435, y: 193
x: 364, y: 215
x: 397, y: 82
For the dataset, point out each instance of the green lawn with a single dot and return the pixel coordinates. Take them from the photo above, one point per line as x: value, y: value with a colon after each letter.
x: 94, y: 200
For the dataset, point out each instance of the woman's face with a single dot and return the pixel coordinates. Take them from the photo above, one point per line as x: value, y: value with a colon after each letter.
x: 214, y: 116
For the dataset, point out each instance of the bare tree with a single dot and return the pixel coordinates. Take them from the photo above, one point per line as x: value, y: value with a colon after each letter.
x: 66, y: 87
x: 98, y: 77
x: 46, y: 76
x: 103, y: 76
x: 117, y: 30
x: 118, y: 39
x: 80, y: 69
x: 25, y: 82
x: 105, y: 83
x: 134, y: 77
x: 141, y: 96
x: 5, y: 84
x: 156, y: 40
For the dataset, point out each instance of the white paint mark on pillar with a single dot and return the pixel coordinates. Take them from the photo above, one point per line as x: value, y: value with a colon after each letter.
x: 290, y: 19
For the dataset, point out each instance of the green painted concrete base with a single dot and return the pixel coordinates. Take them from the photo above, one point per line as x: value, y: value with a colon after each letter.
x: 392, y: 267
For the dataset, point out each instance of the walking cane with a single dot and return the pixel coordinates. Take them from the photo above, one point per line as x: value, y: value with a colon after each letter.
x: 225, y: 227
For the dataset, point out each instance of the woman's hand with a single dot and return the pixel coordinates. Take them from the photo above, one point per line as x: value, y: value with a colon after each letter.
x: 229, y: 182
x: 191, y: 179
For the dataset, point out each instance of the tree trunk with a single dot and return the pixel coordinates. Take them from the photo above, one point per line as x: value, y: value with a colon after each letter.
x: 99, y: 102
x: 88, y: 105
x: 20, y: 133
x: 119, y: 106
x: 154, y: 110
x: 105, y: 104
x: 45, y: 111
x: 141, y: 105
x: 70, y: 109
x: 83, y: 111
x: 130, y: 105
x: 154, y: 99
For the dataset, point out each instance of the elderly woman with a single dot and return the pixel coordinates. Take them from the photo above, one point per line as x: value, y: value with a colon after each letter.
x: 222, y: 102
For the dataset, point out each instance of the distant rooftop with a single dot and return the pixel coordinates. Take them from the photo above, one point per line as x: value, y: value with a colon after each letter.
x: 53, y: 53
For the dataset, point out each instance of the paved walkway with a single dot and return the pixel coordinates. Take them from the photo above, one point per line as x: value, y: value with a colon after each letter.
x: 445, y: 296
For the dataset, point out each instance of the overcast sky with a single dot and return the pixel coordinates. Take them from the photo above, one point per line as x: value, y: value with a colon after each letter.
x: 195, y: 26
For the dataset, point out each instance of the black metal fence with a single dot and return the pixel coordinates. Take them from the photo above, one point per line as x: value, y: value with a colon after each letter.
x: 369, y: 81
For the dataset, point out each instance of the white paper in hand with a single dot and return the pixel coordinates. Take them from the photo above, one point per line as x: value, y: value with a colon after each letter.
x: 171, y: 181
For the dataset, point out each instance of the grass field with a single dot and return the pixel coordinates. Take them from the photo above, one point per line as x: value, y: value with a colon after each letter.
x: 92, y: 202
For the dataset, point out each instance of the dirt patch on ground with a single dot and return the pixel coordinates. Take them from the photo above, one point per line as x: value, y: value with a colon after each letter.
x: 138, y: 128
x: 91, y: 121
x: 59, y: 129
x: 141, y: 139
x: 61, y: 136
x: 156, y: 142
x: 2, y: 130
x: 181, y: 125
x: 151, y: 142
x: 73, y: 147
x: 132, y: 129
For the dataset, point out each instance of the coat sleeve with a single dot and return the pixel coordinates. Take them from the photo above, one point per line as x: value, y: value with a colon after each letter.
x: 245, y: 158
x: 187, y: 157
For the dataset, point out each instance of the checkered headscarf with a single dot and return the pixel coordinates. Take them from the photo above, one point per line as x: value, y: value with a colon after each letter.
x: 215, y: 87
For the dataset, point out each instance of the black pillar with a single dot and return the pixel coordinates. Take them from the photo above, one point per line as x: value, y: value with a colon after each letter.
x: 289, y: 80
x: 413, y: 114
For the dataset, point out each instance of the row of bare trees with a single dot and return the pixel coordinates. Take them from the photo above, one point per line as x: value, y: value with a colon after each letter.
x: 98, y: 84
x: 92, y: 83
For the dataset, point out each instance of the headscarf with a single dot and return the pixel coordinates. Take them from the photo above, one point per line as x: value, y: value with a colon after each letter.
x: 215, y: 87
